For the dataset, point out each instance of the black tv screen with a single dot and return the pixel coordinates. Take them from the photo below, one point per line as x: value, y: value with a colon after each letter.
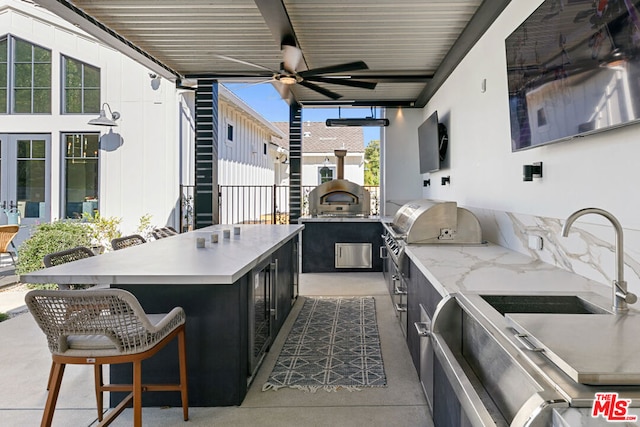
x: 573, y: 68
x: 429, y: 144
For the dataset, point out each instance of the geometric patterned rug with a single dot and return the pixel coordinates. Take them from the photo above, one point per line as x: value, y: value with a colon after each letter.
x: 334, y: 344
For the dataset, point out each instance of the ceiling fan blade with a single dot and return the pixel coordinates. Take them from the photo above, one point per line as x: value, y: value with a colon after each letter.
x: 342, y: 81
x: 340, y: 68
x: 323, y: 91
x: 291, y: 56
x: 245, y: 85
x: 239, y: 61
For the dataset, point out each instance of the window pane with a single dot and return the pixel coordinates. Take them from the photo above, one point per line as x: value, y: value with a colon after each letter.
x: 92, y: 101
x: 41, y: 55
x: 42, y: 101
x: 3, y: 50
x: 92, y: 145
x: 72, y: 101
x: 22, y: 77
x: 31, y: 186
x: 22, y: 51
x: 3, y: 100
x: 42, y: 75
x: 38, y: 149
x: 91, y: 77
x: 24, y: 149
x: 73, y: 77
x: 3, y: 75
x: 22, y: 102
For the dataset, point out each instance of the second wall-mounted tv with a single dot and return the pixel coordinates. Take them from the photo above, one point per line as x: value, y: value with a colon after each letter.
x: 573, y: 68
x: 432, y: 143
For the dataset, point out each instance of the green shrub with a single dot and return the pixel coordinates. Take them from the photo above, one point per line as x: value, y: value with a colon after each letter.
x: 103, y: 229
x: 47, y: 238
x: 3, y: 316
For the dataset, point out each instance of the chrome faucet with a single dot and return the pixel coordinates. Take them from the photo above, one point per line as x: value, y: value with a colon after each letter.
x: 621, y: 297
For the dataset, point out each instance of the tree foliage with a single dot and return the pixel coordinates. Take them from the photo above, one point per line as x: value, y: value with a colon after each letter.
x: 372, y: 163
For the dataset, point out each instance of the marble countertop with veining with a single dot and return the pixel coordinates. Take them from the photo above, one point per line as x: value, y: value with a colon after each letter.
x: 492, y: 268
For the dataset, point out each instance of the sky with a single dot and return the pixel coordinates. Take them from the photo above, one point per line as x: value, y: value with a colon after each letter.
x: 267, y: 101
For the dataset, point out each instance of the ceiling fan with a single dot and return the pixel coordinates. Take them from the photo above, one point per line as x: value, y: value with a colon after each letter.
x: 288, y: 74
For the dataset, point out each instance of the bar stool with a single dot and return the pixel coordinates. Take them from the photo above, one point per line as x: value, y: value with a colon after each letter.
x: 102, y: 327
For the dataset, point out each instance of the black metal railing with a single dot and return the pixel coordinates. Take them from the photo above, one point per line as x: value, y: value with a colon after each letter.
x: 268, y: 204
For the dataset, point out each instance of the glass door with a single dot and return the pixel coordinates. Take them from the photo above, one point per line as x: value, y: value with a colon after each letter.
x: 25, y: 168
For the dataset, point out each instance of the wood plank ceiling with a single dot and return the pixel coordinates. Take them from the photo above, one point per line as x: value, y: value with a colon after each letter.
x: 409, y: 46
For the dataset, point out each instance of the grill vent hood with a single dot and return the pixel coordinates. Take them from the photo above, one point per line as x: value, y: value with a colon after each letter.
x: 431, y: 221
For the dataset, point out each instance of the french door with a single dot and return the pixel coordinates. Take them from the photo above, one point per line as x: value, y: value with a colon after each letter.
x: 25, y: 171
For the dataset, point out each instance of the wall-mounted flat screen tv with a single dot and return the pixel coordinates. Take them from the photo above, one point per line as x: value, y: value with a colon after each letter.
x: 573, y: 69
x: 432, y: 143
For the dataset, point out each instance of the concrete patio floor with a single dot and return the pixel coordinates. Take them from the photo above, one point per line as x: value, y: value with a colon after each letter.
x: 26, y: 361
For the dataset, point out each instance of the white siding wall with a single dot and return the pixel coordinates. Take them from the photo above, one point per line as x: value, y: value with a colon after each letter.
x: 139, y: 170
x: 242, y: 161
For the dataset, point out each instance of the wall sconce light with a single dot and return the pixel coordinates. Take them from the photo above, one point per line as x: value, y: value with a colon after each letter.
x: 445, y: 180
x: 103, y: 120
x: 532, y: 171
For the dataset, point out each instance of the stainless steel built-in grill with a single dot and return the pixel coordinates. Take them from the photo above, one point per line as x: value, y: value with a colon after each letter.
x: 430, y: 222
x: 423, y: 222
x: 339, y: 197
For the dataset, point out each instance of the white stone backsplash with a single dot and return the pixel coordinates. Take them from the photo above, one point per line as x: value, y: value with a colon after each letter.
x: 589, y: 250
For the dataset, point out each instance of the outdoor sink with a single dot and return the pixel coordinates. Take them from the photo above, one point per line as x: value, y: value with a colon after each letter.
x: 552, y: 304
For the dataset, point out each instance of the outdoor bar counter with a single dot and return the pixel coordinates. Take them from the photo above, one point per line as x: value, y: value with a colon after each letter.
x: 214, y: 285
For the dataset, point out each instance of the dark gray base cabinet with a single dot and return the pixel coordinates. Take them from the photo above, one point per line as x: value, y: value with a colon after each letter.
x: 319, y: 244
x: 217, y: 333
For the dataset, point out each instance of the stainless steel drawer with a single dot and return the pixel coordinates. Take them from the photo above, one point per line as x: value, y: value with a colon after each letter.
x: 353, y: 255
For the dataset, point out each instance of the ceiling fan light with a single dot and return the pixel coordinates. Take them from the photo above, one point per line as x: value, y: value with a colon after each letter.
x: 288, y: 80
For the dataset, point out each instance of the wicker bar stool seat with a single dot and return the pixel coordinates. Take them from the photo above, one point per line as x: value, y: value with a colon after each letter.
x: 127, y: 241
x: 102, y: 327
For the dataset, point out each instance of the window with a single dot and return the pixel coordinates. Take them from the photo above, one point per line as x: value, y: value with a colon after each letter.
x: 80, y: 87
x: 325, y: 174
x: 229, y: 132
x: 31, y: 77
x: 264, y: 148
x: 4, y: 76
x: 80, y: 174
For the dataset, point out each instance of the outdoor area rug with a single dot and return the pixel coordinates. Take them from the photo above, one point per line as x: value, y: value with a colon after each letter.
x: 334, y: 344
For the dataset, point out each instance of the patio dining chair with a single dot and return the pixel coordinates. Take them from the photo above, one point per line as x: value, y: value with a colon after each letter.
x: 7, y: 233
x: 127, y: 241
x: 102, y: 327
x: 68, y: 255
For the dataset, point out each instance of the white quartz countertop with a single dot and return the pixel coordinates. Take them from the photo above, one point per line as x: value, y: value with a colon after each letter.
x: 176, y: 260
x: 492, y: 268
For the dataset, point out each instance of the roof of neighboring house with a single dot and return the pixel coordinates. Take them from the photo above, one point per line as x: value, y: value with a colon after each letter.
x: 318, y: 138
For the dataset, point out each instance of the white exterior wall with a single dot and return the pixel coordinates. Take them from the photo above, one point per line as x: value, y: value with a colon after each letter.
x: 353, y: 167
x: 242, y: 161
x: 139, y: 159
x: 598, y: 170
x: 400, y: 178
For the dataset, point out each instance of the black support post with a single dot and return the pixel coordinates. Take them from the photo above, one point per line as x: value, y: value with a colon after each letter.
x: 295, y: 162
x: 206, y: 209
